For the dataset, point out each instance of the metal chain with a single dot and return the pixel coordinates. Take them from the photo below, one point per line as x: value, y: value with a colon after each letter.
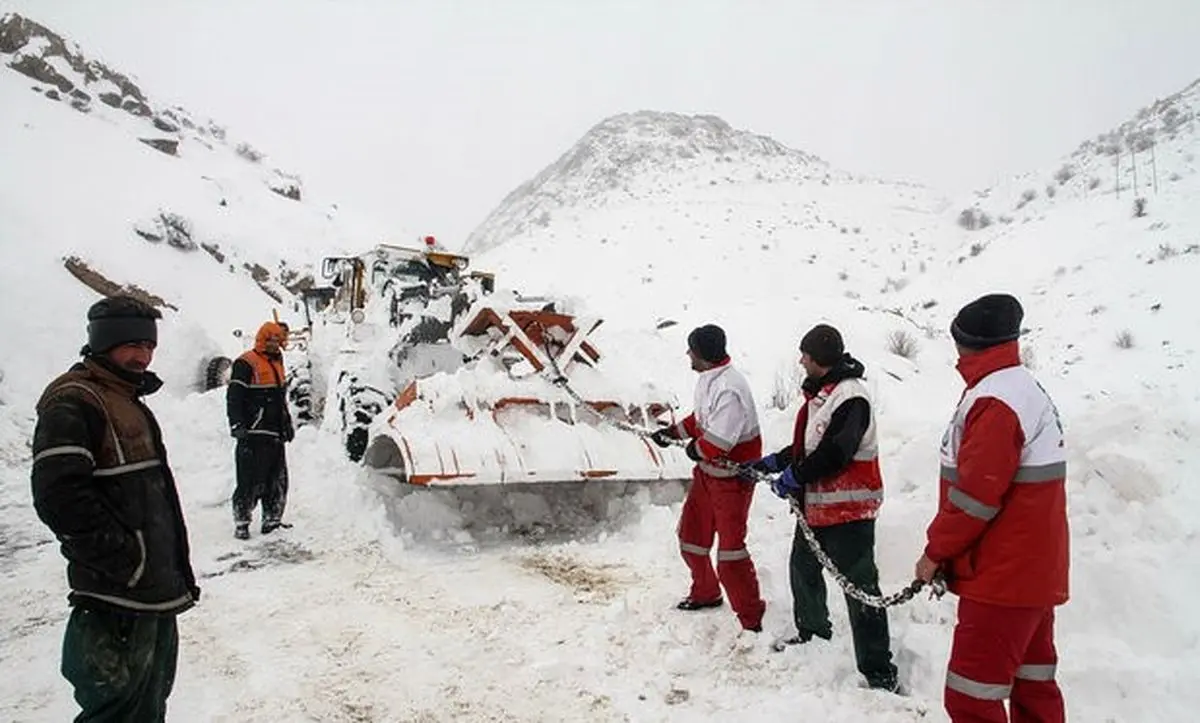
x: 937, y: 587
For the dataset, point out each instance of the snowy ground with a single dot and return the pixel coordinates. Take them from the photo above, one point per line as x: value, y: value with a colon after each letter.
x: 345, y: 617
x: 364, y: 612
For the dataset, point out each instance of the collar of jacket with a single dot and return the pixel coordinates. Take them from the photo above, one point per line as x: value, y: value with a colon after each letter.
x: 131, y: 385
x: 846, y: 368
x: 974, y: 367
x: 718, y: 368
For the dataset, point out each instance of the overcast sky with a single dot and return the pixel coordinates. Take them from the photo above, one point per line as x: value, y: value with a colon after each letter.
x: 427, y: 113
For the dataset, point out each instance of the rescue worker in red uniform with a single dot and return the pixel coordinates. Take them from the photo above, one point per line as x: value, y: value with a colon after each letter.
x: 723, y: 426
x: 832, y: 468
x: 261, y: 423
x: 1000, y: 534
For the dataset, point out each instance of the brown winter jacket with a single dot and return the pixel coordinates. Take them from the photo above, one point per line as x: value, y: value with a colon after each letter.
x: 102, y: 484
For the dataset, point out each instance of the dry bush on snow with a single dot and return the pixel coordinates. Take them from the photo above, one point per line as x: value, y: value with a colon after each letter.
x: 1124, y: 340
x: 972, y: 219
x: 901, y: 343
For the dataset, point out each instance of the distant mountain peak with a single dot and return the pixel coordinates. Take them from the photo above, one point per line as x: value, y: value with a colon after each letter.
x: 630, y: 155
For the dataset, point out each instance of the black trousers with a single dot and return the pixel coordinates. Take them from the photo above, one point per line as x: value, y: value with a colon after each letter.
x: 851, y: 546
x: 121, y: 665
x: 261, y: 477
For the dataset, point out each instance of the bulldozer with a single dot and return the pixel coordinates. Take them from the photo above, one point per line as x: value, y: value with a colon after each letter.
x: 440, y: 383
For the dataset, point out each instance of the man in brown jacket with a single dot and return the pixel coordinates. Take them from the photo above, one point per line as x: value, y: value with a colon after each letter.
x: 101, y: 483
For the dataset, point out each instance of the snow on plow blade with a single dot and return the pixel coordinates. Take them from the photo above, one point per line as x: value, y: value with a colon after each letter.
x: 518, y: 442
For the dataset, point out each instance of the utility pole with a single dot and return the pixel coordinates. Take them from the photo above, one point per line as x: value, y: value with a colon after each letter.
x: 1117, y: 167
x: 1133, y: 159
x: 1154, y: 165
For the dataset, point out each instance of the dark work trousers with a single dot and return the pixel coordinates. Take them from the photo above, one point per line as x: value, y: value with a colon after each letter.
x: 261, y: 476
x: 851, y: 546
x: 121, y: 665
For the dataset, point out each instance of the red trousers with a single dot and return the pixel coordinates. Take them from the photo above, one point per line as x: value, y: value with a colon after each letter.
x: 1003, y: 652
x: 719, y: 506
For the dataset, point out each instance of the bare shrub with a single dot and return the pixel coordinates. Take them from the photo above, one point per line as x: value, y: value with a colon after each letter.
x: 903, y: 344
x: 1064, y: 174
x: 249, y: 152
x: 973, y: 219
x: 977, y: 248
x: 1093, y: 183
x: 1124, y: 339
x: 176, y: 230
x: 786, y: 388
x: 1051, y: 191
x: 1027, y: 196
x: 1139, y: 207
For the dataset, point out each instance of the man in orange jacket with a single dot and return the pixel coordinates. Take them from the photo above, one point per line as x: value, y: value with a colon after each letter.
x: 1001, y: 534
x: 261, y: 423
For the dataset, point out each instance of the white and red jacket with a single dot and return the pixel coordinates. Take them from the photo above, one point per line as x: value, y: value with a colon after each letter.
x: 1001, y: 529
x: 724, y: 420
x: 855, y: 490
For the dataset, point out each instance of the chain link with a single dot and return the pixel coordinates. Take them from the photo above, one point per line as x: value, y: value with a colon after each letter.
x: 937, y: 587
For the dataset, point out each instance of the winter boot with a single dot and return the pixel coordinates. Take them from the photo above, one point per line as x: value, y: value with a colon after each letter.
x: 689, y: 604
x: 269, y: 526
x: 242, y: 531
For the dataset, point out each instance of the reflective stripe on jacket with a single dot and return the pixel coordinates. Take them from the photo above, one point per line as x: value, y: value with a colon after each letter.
x: 1001, y: 526
x: 724, y: 420
x: 856, y: 491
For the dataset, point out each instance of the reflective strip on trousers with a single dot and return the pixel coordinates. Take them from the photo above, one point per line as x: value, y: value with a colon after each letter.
x: 733, y: 555
x: 64, y: 450
x: 124, y: 468
x: 1040, y: 673
x: 694, y: 549
x: 836, y: 496
x: 976, y: 689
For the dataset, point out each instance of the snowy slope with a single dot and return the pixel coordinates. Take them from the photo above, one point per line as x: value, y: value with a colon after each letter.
x: 376, y: 609
x: 78, y: 185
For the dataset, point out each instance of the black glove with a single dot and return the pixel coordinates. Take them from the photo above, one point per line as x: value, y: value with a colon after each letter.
x: 663, y: 436
x: 238, y: 433
x: 289, y: 433
x: 693, y: 453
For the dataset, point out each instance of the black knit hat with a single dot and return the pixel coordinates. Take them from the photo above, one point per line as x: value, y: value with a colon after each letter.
x: 823, y: 344
x: 708, y: 342
x: 119, y: 320
x: 987, y: 321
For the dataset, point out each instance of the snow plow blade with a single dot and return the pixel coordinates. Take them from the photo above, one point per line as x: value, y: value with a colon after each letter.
x: 517, y: 442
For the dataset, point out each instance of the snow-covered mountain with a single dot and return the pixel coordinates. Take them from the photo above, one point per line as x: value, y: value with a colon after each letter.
x: 633, y: 157
x: 658, y: 214
x: 651, y: 218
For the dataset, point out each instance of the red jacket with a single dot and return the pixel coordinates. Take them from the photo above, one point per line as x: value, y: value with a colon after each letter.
x: 1001, y: 529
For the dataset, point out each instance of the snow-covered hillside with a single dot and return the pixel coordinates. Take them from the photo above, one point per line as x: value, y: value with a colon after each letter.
x: 105, y: 186
x: 377, y: 609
